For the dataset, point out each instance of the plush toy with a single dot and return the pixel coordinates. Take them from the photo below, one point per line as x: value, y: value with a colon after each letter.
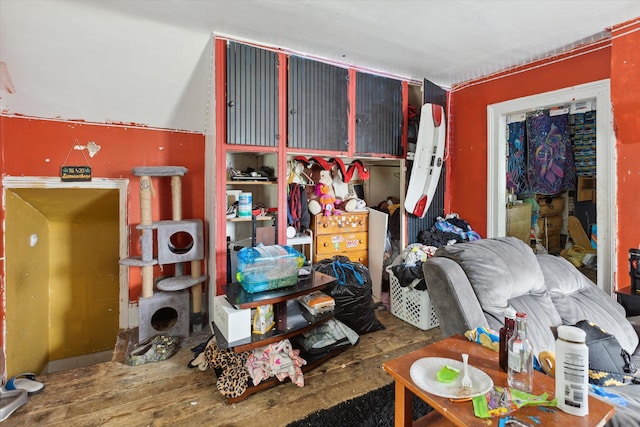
x: 326, y: 199
x: 352, y: 203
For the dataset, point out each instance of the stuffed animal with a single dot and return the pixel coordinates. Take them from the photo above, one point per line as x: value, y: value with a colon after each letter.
x: 326, y: 199
x: 352, y: 203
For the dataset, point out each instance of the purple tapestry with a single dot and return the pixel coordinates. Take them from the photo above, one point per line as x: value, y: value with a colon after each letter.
x: 517, y: 164
x: 550, y: 166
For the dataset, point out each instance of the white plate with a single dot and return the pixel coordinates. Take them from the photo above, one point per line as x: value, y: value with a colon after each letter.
x: 423, y: 372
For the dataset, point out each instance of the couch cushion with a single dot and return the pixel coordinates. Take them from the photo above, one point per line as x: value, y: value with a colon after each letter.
x: 498, y: 269
x: 560, y: 275
x: 542, y: 320
x: 576, y: 298
x: 540, y: 329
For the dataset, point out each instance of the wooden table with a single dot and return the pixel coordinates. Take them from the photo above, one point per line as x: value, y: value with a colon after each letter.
x: 448, y: 412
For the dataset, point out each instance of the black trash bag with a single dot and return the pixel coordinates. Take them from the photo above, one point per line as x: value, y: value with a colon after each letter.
x: 352, y: 293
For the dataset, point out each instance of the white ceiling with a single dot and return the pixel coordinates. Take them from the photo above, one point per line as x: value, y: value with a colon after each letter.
x: 446, y: 41
x: 149, y: 62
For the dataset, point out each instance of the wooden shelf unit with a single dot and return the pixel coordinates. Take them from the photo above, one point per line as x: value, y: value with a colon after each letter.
x: 291, y: 320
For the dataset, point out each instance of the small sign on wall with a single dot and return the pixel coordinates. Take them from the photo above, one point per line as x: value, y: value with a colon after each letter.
x: 75, y: 173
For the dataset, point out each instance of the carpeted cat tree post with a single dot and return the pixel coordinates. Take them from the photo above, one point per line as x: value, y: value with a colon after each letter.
x: 178, y: 241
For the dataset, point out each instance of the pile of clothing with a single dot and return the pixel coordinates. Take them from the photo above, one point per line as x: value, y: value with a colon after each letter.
x: 233, y: 370
x: 407, y: 267
x: 447, y: 231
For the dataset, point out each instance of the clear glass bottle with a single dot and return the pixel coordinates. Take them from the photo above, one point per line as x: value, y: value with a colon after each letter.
x: 520, y: 357
x: 506, y: 332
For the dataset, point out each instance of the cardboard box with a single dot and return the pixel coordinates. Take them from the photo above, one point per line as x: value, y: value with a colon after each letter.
x: 586, y: 189
x: 234, y: 324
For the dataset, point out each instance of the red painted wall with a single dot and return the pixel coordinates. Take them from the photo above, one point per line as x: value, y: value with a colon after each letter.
x: 35, y: 147
x: 466, y: 182
x: 625, y: 98
x: 617, y: 59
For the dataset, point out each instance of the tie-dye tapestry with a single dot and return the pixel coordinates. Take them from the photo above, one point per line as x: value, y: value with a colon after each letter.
x: 550, y: 166
x: 517, y: 164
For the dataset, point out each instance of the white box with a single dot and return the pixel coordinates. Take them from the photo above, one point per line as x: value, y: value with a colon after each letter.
x: 234, y: 324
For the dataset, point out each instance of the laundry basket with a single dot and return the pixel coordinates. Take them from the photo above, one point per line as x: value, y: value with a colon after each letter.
x: 411, y: 305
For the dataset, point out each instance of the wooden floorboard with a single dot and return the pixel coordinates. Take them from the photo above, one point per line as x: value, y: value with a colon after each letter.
x: 169, y: 393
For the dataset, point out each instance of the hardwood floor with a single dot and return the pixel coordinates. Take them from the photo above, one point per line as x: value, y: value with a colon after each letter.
x: 169, y: 393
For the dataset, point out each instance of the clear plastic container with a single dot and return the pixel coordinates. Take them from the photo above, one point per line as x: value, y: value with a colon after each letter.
x: 264, y: 268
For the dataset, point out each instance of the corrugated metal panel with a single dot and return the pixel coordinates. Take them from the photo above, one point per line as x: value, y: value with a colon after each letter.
x: 252, y: 95
x: 436, y: 209
x: 317, y: 105
x: 436, y: 95
x: 378, y: 115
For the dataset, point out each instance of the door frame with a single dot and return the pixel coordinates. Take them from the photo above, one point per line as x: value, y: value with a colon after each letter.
x: 605, y: 165
x: 13, y: 182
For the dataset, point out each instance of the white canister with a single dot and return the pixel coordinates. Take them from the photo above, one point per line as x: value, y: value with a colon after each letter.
x: 572, y: 371
x: 244, y: 205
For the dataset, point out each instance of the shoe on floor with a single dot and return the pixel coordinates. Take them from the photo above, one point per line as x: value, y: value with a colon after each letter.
x: 25, y: 381
x: 153, y: 349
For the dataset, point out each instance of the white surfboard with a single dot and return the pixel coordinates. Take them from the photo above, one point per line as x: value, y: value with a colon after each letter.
x: 427, y: 162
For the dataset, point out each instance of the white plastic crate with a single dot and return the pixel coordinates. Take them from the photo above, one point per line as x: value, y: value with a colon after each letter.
x: 411, y: 305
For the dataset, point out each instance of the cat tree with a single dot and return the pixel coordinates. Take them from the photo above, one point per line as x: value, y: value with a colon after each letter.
x: 172, y: 293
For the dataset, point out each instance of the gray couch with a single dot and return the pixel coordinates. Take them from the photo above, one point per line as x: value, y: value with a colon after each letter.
x: 470, y: 285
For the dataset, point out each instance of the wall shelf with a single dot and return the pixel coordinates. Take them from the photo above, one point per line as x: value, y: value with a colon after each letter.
x: 249, y: 182
x: 249, y: 219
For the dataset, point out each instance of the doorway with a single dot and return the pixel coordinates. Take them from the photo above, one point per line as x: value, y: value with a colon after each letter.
x: 605, y: 168
x: 64, y: 293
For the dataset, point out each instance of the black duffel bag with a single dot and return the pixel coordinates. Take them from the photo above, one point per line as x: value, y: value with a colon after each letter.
x: 609, y: 363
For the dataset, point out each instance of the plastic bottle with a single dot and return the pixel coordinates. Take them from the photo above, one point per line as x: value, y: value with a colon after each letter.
x: 520, y: 359
x: 572, y: 371
x: 506, y: 332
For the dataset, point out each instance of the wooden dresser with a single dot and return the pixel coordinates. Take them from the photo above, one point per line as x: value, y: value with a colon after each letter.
x: 519, y: 222
x: 550, y: 221
x: 345, y: 234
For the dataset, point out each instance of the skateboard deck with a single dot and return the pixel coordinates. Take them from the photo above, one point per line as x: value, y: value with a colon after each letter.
x: 427, y: 162
x: 578, y: 235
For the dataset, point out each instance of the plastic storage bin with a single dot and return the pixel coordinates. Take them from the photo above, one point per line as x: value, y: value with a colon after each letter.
x: 412, y: 306
x: 264, y: 268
